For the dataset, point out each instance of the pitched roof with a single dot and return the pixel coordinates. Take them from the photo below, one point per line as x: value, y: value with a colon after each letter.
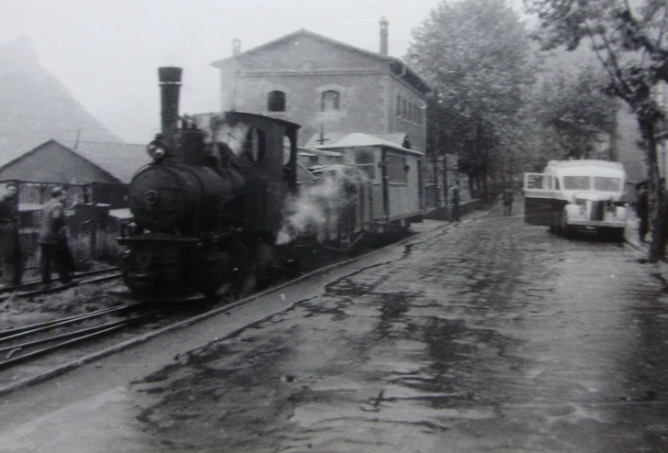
x: 359, y: 139
x: 118, y: 160
x: 121, y: 160
x: 396, y: 64
x: 333, y: 138
x: 330, y: 137
x: 303, y: 32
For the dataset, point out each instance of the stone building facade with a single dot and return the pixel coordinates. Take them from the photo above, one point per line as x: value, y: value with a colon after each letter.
x: 328, y: 87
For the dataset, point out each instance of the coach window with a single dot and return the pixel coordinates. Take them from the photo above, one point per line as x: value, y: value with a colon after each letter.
x: 397, y: 169
x: 364, y: 160
x: 287, y: 150
x: 255, y: 145
x: 330, y: 100
x: 276, y: 101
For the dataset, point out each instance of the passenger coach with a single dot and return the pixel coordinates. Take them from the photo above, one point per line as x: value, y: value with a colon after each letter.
x: 394, y: 173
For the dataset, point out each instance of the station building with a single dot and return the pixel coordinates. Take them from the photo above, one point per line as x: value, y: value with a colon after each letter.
x: 328, y: 87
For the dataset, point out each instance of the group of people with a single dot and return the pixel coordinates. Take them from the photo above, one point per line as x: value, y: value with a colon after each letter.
x: 52, y: 238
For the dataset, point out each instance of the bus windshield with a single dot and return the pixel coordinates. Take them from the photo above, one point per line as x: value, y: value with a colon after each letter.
x: 577, y: 182
x: 605, y: 184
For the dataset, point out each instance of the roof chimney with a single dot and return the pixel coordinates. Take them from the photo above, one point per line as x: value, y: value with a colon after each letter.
x: 236, y: 47
x: 383, y: 35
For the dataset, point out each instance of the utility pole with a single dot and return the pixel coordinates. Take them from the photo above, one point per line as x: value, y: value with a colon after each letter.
x: 322, y: 138
x: 436, y: 153
x: 445, y: 177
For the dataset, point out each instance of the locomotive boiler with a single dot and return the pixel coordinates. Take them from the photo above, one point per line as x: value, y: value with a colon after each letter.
x: 207, y: 211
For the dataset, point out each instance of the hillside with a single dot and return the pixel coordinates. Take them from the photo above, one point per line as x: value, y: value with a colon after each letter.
x: 36, y: 107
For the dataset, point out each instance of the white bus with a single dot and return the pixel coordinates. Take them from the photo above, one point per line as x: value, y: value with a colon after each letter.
x: 577, y: 194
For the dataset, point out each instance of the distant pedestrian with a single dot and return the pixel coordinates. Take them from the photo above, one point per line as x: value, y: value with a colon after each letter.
x: 10, y: 243
x: 642, y: 211
x: 53, y: 239
x: 455, y: 202
x: 508, y: 201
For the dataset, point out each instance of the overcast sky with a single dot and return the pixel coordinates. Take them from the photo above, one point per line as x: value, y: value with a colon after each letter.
x: 107, y: 51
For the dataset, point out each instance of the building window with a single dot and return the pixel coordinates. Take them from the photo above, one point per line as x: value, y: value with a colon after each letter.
x: 276, y: 101
x: 398, y: 106
x: 330, y: 100
x: 405, y: 109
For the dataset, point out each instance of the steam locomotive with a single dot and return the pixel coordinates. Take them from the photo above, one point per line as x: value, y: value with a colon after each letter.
x: 219, y: 206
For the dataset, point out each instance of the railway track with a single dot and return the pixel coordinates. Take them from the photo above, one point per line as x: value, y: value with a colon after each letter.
x: 36, y: 288
x: 26, y: 360
x: 21, y: 344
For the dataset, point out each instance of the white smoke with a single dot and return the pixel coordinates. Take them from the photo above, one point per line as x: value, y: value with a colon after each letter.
x: 217, y: 130
x: 317, y: 209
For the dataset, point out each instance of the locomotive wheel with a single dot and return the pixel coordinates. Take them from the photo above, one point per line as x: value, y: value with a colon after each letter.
x: 261, y: 267
x: 245, y: 279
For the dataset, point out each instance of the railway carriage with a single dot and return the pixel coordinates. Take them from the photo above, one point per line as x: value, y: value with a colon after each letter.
x: 577, y: 195
x: 395, y: 179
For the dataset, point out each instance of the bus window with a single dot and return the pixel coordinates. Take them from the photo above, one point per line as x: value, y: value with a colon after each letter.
x: 605, y: 184
x: 538, y: 181
x: 577, y: 182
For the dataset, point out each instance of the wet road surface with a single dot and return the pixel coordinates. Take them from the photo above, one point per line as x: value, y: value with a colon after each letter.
x: 488, y: 336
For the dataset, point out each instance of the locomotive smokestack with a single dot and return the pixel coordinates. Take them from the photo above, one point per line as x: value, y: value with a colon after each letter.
x: 170, y: 84
x: 384, y: 24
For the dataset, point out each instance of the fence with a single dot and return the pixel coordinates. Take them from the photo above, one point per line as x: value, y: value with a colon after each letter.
x: 92, y: 225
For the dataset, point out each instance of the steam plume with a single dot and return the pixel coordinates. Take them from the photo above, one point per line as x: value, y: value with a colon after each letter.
x: 318, y: 208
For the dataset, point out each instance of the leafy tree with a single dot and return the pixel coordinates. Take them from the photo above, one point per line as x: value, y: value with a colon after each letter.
x: 476, y: 54
x: 629, y: 39
x: 576, y: 112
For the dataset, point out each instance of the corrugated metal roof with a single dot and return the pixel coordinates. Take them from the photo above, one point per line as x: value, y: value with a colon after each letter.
x: 122, y: 160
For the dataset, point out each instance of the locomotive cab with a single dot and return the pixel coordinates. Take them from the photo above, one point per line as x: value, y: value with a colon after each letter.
x: 210, y: 203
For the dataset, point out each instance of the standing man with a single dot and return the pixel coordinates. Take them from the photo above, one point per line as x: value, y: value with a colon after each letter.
x: 455, y: 202
x: 10, y: 244
x: 508, y: 201
x: 53, y: 240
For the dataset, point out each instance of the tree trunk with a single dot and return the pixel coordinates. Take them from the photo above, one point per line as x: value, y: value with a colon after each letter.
x: 656, y: 197
x: 485, y: 186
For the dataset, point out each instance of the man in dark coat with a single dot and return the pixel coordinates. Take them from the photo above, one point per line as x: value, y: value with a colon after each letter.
x: 53, y: 240
x: 508, y: 201
x: 10, y: 245
x: 642, y: 211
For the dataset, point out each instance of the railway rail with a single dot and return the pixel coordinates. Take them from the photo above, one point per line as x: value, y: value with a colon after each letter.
x: 36, y: 288
x: 16, y: 353
x: 25, y: 361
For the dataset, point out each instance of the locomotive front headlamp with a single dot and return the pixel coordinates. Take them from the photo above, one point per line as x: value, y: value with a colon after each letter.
x: 157, y: 149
